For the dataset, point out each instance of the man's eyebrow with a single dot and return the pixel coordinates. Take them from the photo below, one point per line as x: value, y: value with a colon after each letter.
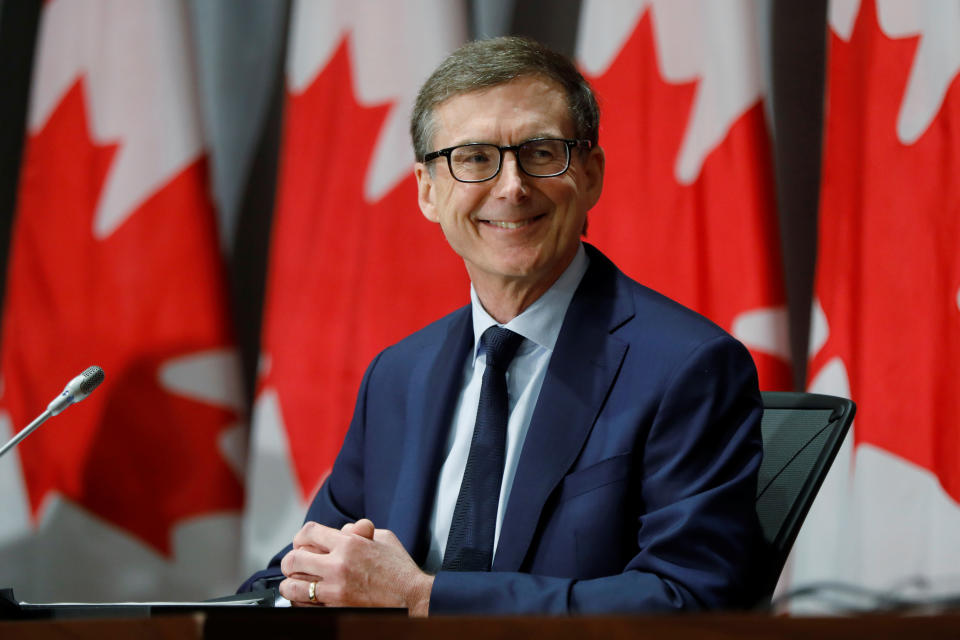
x: 471, y: 141
x: 538, y: 136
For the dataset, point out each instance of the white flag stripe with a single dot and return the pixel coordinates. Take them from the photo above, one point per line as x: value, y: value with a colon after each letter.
x: 207, y: 376
x: 14, y: 504
x: 274, y: 511
x: 764, y: 330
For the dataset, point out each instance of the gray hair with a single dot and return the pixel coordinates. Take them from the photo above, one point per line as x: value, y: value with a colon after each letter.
x: 482, y: 64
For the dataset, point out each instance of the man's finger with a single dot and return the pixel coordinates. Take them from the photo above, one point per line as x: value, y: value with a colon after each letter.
x: 364, y: 528
x: 304, y: 562
x: 317, y: 537
x: 386, y: 536
x: 298, y: 592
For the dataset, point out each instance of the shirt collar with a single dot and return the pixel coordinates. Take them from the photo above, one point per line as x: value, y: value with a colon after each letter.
x: 540, y: 322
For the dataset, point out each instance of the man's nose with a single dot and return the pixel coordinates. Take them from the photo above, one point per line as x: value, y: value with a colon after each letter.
x: 511, y: 183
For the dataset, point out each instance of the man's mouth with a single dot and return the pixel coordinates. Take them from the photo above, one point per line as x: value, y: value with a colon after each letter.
x: 518, y: 224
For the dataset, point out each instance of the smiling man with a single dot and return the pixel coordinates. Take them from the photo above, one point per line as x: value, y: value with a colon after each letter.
x: 571, y: 441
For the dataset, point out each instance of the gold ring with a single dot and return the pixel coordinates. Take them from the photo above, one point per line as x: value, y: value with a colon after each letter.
x: 312, y: 592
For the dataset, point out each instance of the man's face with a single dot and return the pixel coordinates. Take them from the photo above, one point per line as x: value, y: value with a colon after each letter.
x: 513, y: 231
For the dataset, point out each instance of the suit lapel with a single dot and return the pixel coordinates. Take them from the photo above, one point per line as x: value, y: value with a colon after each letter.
x: 437, y: 375
x: 582, y: 369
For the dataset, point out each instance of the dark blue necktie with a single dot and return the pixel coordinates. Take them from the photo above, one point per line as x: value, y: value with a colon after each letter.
x: 470, y: 543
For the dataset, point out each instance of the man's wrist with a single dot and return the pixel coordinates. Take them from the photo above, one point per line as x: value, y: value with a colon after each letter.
x: 418, y: 597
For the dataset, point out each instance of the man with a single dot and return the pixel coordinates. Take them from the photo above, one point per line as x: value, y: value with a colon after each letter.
x: 609, y: 466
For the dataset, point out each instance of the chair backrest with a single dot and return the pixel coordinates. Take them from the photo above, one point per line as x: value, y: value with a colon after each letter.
x: 802, y: 433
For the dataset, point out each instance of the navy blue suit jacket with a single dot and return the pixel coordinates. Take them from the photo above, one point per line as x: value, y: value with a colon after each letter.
x: 635, y: 486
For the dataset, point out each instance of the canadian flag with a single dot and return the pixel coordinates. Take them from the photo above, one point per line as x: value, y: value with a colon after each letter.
x: 688, y: 199
x: 353, y: 264
x: 135, y: 493
x: 886, y: 325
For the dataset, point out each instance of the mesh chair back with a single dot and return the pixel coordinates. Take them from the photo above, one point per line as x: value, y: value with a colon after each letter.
x: 802, y: 433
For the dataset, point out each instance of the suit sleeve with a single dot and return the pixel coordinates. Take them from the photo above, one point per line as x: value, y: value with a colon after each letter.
x: 697, y: 535
x: 340, y: 499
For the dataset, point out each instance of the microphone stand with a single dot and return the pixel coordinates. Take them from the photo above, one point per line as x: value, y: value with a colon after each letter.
x: 27, y: 430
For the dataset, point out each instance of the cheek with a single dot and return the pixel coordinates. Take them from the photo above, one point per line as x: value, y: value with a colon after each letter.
x: 566, y: 199
x: 455, y: 207
x: 454, y: 223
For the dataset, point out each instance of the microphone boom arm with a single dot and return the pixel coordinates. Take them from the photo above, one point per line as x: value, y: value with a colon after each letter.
x: 27, y: 430
x: 75, y: 391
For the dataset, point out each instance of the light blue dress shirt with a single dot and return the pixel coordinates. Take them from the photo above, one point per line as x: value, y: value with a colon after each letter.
x: 540, y: 325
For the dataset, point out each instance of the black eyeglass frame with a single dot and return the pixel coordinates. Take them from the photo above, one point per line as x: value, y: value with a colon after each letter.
x: 569, y: 144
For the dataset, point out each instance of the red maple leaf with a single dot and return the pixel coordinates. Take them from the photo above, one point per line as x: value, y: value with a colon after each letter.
x: 152, y: 290
x: 347, y: 277
x: 889, y: 265
x: 712, y: 245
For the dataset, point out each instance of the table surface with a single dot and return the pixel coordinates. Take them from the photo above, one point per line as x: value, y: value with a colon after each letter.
x: 319, y: 623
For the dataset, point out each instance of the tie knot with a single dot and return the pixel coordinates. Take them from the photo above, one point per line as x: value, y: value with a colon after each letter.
x: 500, y: 345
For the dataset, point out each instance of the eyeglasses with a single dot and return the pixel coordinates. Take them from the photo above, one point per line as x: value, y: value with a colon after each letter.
x: 480, y: 161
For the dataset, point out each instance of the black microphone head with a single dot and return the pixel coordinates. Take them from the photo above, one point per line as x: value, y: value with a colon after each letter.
x: 92, y: 376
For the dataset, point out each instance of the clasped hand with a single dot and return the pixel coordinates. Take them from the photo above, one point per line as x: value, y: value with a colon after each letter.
x: 356, y: 566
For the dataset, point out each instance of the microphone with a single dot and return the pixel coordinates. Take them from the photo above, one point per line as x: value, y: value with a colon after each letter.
x: 75, y: 391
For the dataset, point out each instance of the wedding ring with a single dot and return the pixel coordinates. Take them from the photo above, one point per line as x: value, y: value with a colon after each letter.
x: 312, y: 592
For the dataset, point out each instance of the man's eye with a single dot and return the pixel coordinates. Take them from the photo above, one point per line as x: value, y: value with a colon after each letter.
x: 472, y: 157
x: 539, y: 152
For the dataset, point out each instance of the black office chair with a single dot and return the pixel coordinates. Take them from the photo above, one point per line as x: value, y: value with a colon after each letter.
x: 802, y: 433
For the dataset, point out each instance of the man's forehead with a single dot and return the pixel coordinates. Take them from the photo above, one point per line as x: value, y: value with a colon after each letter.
x: 526, y: 80
x: 536, y: 105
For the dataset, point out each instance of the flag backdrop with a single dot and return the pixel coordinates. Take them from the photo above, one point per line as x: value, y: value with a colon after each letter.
x: 688, y: 200
x: 134, y: 493
x: 353, y: 265
x: 886, y: 330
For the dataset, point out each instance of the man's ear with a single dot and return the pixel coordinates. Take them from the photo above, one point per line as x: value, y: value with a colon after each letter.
x: 425, y: 191
x: 593, y: 172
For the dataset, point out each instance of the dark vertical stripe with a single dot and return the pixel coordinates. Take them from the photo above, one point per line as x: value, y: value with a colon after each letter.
x: 19, y: 20
x: 251, y: 241
x: 799, y: 43
x: 552, y: 22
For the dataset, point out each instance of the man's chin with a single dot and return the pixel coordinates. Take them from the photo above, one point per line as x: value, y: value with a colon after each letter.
x: 510, y: 265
